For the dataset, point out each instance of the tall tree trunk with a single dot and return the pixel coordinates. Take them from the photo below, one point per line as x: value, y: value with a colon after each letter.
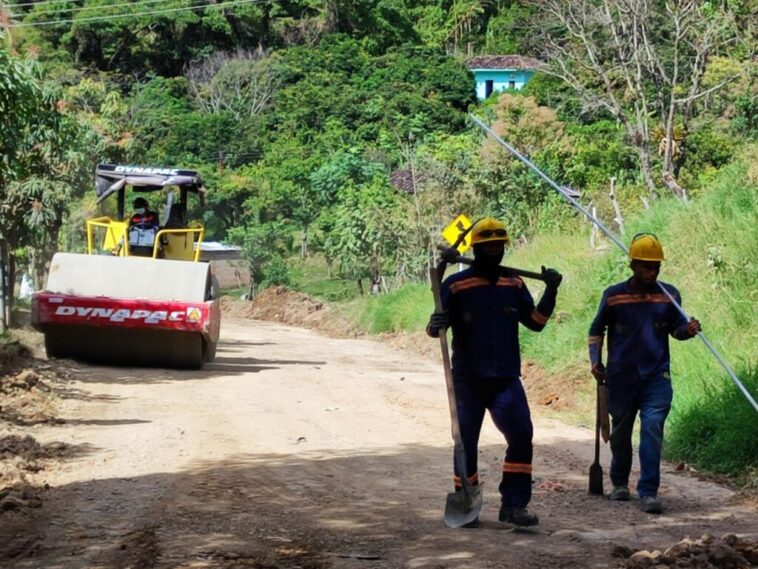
x: 304, y: 242
x: 332, y: 17
x: 646, y: 167
x: 3, y: 288
x: 11, y: 295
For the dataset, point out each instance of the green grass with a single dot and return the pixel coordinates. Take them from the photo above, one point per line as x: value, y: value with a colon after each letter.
x: 717, y: 431
x: 710, y: 246
x: 406, y: 309
x: 311, y: 277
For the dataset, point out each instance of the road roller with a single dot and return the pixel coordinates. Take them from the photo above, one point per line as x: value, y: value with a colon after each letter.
x: 139, y: 295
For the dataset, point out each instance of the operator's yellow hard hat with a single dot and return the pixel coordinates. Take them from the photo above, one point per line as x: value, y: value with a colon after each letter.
x: 489, y: 229
x: 646, y: 247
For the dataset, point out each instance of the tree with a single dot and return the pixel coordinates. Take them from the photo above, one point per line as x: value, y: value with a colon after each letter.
x: 19, y: 95
x: 364, y: 229
x: 242, y: 83
x: 641, y: 61
x: 263, y: 244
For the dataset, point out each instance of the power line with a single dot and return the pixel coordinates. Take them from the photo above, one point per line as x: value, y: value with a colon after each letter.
x: 80, y: 9
x: 45, y: 3
x: 136, y: 14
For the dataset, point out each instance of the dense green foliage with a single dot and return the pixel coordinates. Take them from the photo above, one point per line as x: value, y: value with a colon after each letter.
x: 336, y: 131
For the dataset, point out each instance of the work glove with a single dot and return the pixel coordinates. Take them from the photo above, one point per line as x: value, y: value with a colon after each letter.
x: 449, y: 254
x: 552, y: 278
x: 598, y: 372
x: 437, y: 321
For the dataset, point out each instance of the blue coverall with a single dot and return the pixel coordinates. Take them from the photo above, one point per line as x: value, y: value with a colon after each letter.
x: 484, y: 317
x: 638, y: 374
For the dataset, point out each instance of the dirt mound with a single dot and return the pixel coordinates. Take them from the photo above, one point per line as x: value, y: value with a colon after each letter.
x: 29, y: 449
x: 13, y: 355
x: 729, y: 552
x: 280, y: 304
x: 21, y: 457
x: 27, y: 398
x: 234, y: 307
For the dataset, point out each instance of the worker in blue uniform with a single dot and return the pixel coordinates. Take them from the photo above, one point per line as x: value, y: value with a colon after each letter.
x: 483, y: 305
x: 638, y: 317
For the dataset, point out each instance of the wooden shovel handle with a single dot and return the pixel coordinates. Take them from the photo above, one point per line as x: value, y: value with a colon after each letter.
x: 452, y: 258
x: 602, y: 404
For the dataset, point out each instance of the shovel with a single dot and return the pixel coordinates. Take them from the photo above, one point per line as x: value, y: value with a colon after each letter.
x: 460, y: 507
x: 596, y: 471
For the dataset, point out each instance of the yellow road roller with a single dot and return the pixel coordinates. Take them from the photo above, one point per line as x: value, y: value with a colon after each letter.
x: 139, y: 295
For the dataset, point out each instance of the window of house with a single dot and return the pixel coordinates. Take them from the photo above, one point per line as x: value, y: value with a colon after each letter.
x: 511, y: 84
x: 489, y: 86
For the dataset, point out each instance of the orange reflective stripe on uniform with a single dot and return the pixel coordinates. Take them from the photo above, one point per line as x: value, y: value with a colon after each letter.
x: 517, y: 468
x: 468, y: 283
x: 539, y: 318
x: 506, y: 281
x: 637, y: 298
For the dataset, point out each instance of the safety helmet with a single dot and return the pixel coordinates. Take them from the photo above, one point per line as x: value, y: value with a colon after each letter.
x: 646, y: 247
x: 139, y: 202
x: 489, y: 229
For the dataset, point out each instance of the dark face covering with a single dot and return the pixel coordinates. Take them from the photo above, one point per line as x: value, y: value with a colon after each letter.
x: 487, y: 257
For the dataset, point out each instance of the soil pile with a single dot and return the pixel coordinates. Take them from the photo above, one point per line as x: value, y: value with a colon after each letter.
x: 26, y: 399
x: 25, y: 394
x: 729, y: 552
x: 280, y: 304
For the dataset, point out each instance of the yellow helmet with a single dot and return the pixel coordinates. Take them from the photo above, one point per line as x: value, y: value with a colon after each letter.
x: 645, y: 247
x: 489, y: 229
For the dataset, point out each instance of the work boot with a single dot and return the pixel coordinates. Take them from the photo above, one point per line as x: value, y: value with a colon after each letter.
x: 651, y: 504
x: 620, y: 494
x: 517, y: 516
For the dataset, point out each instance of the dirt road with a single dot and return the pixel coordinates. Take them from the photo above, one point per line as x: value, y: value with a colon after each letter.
x: 294, y: 450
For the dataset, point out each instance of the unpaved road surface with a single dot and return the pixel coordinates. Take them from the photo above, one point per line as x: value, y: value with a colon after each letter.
x: 295, y: 450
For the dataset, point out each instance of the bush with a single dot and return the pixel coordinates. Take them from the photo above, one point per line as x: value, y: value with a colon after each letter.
x: 276, y: 272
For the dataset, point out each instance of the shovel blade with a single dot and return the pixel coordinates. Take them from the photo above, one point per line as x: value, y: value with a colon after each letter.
x: 463, y: 507
x: 596, y: 480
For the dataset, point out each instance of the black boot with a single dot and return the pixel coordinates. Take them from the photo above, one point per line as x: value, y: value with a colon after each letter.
x: 517, y: 516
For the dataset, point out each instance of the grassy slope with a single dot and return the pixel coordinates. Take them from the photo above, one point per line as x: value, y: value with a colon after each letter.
x: 710, y: 246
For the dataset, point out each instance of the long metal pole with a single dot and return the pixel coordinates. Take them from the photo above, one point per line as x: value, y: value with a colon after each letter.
x: 618, y: 242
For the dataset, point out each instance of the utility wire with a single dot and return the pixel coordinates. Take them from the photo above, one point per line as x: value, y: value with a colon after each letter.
x: 45, y: 3
x: 135, y: 14
x: 80, y: 9
x: 618, y: 242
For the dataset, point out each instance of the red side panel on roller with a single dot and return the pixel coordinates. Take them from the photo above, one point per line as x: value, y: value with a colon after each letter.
x: 60, y: 309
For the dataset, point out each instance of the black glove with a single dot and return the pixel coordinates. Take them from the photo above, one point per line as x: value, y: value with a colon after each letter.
x: 552, y: 278
x: 437, y: 321
x: 449, y: 254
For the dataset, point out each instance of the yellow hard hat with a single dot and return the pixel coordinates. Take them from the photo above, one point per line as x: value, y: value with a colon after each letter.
x: 646, y: 247
x: 489, y: 229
